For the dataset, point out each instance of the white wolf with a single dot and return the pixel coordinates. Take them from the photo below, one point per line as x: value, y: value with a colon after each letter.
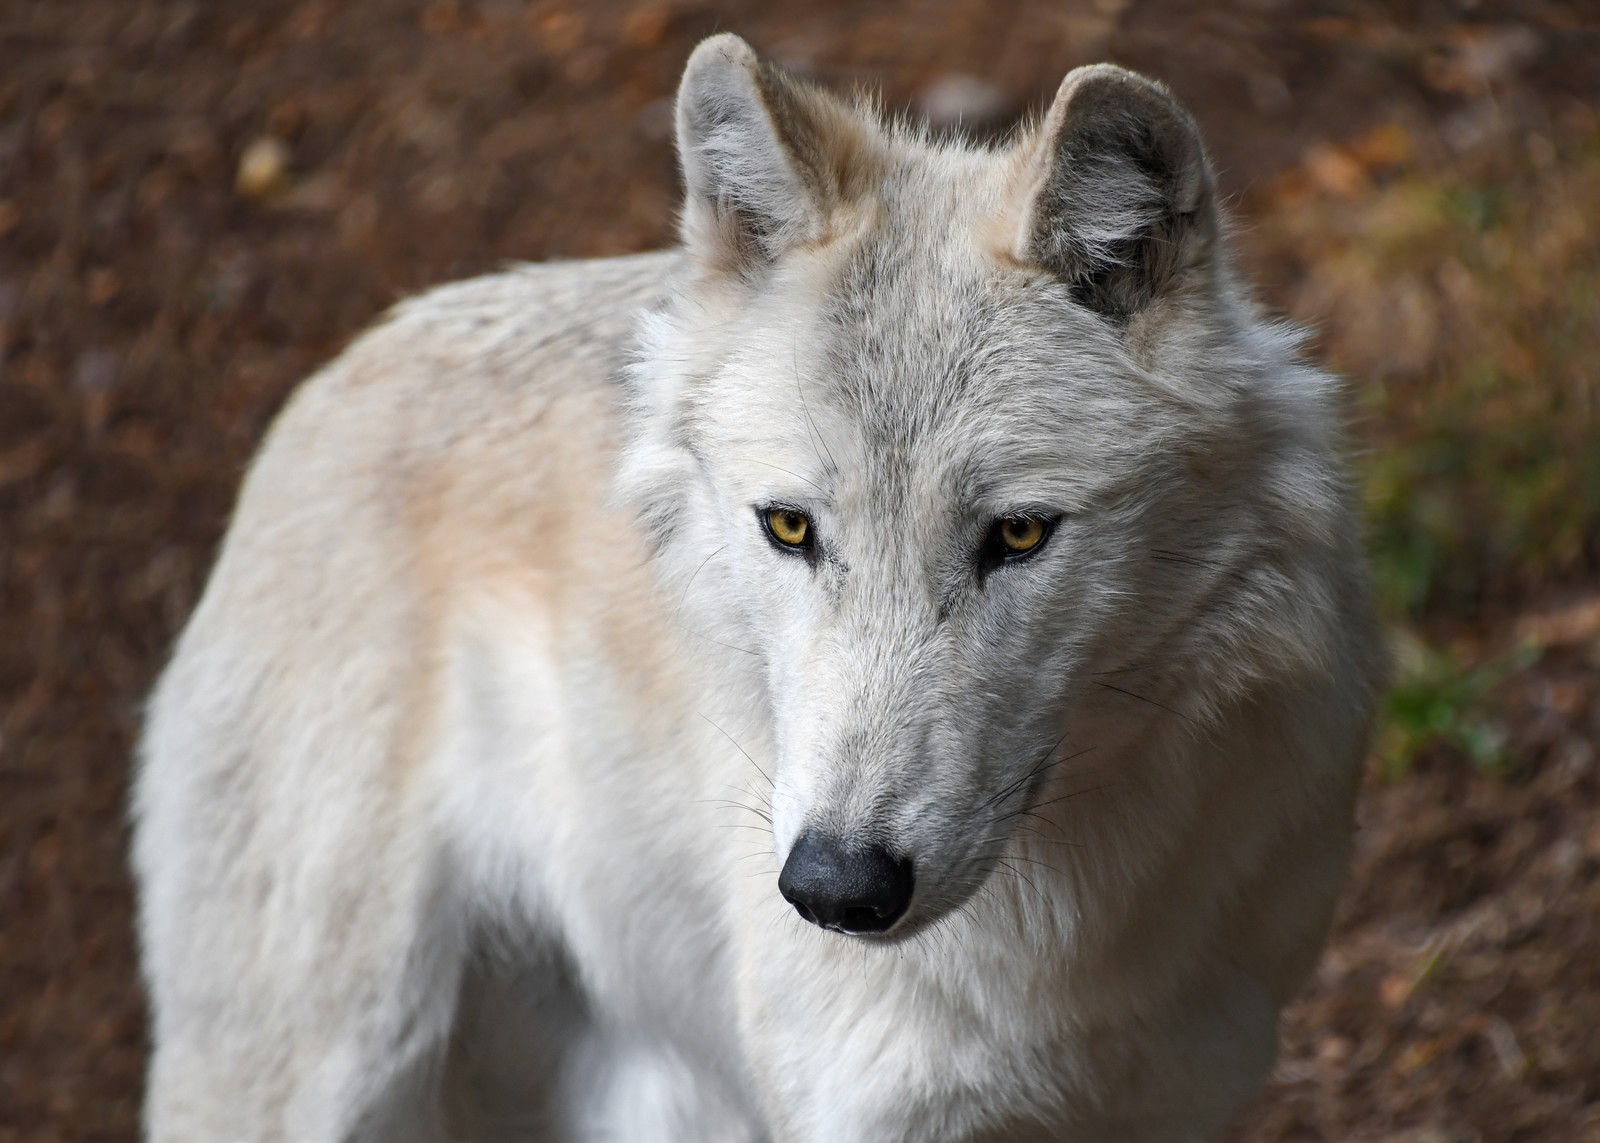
x: 893, y: 669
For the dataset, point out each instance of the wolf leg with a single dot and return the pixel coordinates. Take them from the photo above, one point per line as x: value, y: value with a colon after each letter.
x: 301, y: 953
x: 249, y: 1052
x: 257, y: 1040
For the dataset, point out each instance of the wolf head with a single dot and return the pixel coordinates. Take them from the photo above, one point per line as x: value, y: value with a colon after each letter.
x: 975, y: 460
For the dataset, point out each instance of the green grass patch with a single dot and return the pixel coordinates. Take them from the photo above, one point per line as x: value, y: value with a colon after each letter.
x: 1438, y: 701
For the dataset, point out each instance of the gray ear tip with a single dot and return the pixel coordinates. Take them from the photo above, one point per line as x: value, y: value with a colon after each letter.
x: 1107, y: 73
x: 722, y: 50
x: 1107, y: 83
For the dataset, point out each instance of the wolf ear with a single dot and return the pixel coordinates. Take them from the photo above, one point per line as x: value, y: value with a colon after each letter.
x: 1120, y: 200
x: 766, y: 160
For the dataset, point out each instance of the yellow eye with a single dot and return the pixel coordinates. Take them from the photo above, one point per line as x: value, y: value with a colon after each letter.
x: 1021, y: 533
x: 790, y: 528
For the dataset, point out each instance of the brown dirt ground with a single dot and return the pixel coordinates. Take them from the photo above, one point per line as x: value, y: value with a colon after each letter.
x: 153, y: 317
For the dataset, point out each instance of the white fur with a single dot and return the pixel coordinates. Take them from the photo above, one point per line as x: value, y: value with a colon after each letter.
x: 453, y: 807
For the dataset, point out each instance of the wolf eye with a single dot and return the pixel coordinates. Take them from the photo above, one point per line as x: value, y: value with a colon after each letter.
x: 1020, y: 534
x: 1012, y: 538
x: 788, y: 527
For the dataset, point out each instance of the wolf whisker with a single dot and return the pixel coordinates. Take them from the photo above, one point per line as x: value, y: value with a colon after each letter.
x: 811, y: 425
x: 1033, y: 811
x: 780, y: 468
x: 1142, y: 698
x: 739, y: 748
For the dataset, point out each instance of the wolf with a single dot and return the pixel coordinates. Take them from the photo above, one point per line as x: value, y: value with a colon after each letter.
x: 895, y: 668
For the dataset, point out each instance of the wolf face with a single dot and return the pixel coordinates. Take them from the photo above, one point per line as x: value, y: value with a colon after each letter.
x: 945, y: 441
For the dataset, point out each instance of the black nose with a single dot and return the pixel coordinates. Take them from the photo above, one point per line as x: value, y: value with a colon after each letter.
x: 855, y: 889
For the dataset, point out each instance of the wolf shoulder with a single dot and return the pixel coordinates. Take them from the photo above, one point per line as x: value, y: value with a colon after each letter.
x: 492, y: 349
x: 519, y: 367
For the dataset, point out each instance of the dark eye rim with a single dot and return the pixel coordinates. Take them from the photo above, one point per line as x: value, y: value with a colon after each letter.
x: 764, y: 514
x: 995, y: 553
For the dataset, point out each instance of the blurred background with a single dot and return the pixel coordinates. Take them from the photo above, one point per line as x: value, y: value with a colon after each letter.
x: 200, y: 202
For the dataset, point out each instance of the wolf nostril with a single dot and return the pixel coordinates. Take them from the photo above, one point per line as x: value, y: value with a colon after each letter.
x: 850, y: 889
x: 858, y: 920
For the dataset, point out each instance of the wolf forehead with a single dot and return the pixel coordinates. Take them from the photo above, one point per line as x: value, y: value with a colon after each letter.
x: 903, y: 357
x: 898, y: 348
x: 922, y: 328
